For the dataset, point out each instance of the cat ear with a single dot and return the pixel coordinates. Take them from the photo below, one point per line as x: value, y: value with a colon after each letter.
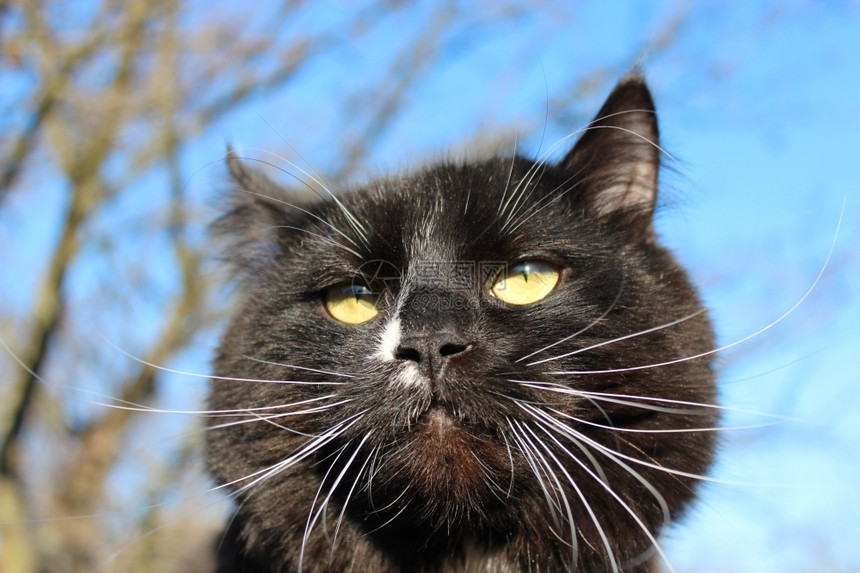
x: 252, y: 188
x: 617, y: 159
x: 259, y: 214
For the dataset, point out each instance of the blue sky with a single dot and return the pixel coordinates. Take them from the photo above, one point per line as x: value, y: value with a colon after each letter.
x: 758, y: 105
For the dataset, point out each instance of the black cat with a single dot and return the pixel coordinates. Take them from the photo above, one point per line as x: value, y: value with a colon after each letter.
x: 484, y: 366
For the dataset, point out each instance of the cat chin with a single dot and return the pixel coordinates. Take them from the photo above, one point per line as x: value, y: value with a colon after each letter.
x: 439, y: 420
x: 444, y: 465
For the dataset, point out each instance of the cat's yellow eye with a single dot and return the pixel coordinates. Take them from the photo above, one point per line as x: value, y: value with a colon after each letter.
x: 351, y: 303
x: 525, y: 283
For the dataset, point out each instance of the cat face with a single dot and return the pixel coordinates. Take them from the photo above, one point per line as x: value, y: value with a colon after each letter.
x: 492, y: 354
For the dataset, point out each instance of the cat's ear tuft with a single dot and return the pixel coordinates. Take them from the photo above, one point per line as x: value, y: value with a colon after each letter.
x: 617, y: 159
x: 251, y: 182
x: 257, y: 215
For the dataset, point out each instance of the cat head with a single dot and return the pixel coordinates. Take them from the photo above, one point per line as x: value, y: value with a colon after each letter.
x: 496, y: 350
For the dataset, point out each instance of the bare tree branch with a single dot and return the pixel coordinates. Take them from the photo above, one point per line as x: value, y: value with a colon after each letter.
x: 50, y: 94
x: 82, y: 169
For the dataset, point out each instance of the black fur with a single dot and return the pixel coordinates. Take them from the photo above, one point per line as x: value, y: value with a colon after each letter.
x: 464, y: 470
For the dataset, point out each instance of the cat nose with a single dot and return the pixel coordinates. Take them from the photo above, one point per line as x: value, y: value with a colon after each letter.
x: 431, y: 351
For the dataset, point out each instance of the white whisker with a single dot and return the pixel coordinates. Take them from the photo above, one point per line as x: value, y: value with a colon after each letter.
x: 631, y: 400
x: 323, y: 238
x: 499, y: 209
x: 133, y: 407
x: 664, y: 430
x: 600, y: 530
x: 582, y: 330
x: 254, y: 417
x: 511, y: 459
x: 305, y: 450
x: 351, y: 219
x: 539, y: 467
x: 567, y: 430
x: 576, y: 436
x: 313, y: 517
x: 723, y: 348
x: 522, y: 187
x: 351, y: 490
x: 296, y: 207
x: 552, y: 197
x: 296, y: 367
x: 619, y: 339
x: 213, y: 377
